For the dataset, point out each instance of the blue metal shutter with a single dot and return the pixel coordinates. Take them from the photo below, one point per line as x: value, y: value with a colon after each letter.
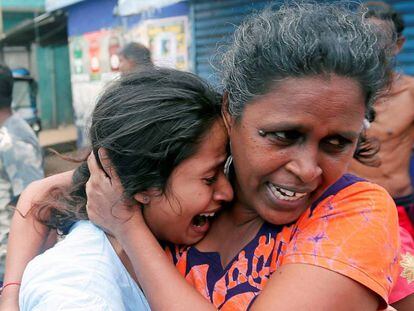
x: 406, y: 57
x: 212, y: 23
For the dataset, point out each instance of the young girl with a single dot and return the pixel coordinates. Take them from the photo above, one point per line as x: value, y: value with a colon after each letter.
x: 162, y: 134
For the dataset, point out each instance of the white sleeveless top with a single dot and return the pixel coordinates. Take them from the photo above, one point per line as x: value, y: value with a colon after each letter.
x: 81, y: 272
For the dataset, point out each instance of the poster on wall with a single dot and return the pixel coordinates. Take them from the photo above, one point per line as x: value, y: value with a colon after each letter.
x: 94, y: 58
x: 94, y: 62
x: 167, y: 40
x: 94, y: 55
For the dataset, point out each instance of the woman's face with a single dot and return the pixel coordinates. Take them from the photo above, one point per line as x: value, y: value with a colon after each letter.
x: 196, y: 190
x: 292, y: 143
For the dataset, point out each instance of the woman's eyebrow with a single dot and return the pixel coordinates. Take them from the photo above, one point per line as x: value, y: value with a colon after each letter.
x: 347, y: 134
x: 285, y: 126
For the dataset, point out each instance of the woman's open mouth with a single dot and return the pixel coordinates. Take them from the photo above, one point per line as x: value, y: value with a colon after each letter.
x: 285, y: 194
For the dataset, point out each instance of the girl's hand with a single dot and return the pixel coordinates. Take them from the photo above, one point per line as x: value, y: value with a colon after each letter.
x: 9, y: 305
x: 106, y: 205
x: 9, y: 300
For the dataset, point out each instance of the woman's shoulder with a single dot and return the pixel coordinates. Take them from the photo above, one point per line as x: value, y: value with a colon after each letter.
x: 351, y: 193
x: 352, y: 230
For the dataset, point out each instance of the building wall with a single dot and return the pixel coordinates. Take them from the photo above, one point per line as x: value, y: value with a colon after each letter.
x: 23, y: 5
x: 95, y: 36
x: 55, y: 96
x: 12, y: 19
x: 49, y: 65
x: 17, y: 57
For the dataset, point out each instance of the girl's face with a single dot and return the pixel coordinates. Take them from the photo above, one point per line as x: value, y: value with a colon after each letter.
x: 292, y: 143
x: 196, y: 190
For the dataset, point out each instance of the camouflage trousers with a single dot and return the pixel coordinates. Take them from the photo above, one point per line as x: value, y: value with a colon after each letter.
x: 5, y: 220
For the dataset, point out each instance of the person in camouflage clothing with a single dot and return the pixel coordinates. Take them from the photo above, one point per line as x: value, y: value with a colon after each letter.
x: 20, y: 159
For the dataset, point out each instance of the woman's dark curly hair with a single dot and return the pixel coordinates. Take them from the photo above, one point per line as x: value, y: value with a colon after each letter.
x: 305, y: 39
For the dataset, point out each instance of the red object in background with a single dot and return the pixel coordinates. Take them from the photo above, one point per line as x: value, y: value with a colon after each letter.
x: 95, y: 65
x: 404, y: 220
x: 113, y: 49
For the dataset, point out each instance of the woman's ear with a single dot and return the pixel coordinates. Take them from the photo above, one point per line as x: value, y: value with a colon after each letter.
x: 227, y: 118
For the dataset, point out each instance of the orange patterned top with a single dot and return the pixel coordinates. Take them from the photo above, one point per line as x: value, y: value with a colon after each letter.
x: 352, y: 229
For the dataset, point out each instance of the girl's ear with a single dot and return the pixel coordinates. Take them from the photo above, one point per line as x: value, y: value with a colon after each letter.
x: 227, y: 118
x: 142, y: 197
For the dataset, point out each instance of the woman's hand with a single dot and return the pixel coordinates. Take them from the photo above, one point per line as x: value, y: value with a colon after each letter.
x: 106, y: 205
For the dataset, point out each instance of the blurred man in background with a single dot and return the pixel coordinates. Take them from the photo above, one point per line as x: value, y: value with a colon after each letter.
x: 134, y: 56
x: 20, y: 158
x: 393, y: 126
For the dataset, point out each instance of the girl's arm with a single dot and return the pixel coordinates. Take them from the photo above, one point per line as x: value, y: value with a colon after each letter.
x: 27, y: 236
x: 162, y: 284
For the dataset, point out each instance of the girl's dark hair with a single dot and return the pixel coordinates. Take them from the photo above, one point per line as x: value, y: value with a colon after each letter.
x: 149, y: 122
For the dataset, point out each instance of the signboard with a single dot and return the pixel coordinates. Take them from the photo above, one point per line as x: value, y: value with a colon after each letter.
x: 131, y: 7
x: 95, y: 54
x: 167, y: 39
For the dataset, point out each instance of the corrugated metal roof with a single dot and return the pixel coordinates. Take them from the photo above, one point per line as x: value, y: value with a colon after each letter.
x: 47, y: 28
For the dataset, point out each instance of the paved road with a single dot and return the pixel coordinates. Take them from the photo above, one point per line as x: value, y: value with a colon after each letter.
x: 62, y: 140
x: 55, y: 164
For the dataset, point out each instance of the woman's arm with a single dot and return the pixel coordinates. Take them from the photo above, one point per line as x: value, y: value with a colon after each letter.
x: 27, y: 236
x: 162, y: 284
x: 308, y: 287
x: 343, y: 255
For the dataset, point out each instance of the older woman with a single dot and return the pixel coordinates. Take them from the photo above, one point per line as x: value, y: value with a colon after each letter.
x: 299, y: 83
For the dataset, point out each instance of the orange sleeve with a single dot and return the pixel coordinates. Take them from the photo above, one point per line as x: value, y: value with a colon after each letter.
x: 354, y: 233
